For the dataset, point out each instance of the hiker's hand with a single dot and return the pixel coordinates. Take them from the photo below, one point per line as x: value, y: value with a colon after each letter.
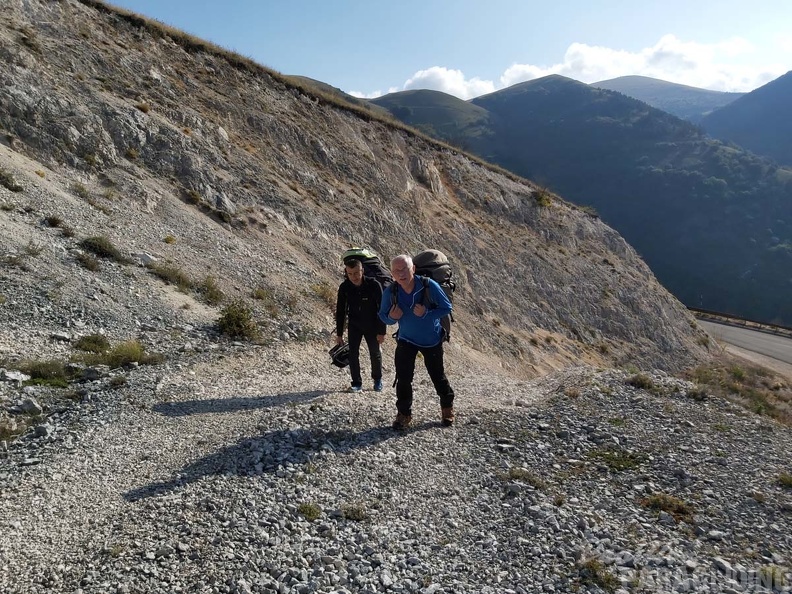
x: 419, y: 310
x: 380, y: 338
x: 339, y: 340
x: 395, y: 313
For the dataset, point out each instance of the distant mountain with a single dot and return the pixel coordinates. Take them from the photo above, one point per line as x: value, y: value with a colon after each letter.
x: 711, y: 220
x: 761, y: 121
x: 688, y: 103
x: 440, y: 115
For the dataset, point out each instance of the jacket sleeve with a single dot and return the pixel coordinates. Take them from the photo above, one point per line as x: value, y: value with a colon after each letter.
x: 385, y: 306
x: 379, y: 297
x: 440, y: 304
x: 341, y: 307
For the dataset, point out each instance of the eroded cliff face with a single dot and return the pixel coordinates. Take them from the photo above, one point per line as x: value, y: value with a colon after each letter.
x: 126, y: 132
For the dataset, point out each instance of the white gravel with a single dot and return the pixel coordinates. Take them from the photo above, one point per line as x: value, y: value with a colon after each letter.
x: 200, y: 476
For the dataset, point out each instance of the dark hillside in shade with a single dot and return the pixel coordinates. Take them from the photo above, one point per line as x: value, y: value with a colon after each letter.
x: 711, y: 220
x: 683, y: 101
x: 761, y: 121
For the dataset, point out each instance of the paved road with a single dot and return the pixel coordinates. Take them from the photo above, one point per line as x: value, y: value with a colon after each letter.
x: 770, y: 345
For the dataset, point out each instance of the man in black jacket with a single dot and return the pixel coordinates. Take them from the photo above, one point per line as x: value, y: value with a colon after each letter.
x: 359, y: 299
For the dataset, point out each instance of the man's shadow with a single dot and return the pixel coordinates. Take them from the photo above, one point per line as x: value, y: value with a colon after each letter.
x: 224, y: 405
x: 264, y: 454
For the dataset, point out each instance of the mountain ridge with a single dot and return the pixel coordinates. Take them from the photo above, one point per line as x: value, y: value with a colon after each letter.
x: 758, y: 121
x: 658, y: 180
x: 684, y: 101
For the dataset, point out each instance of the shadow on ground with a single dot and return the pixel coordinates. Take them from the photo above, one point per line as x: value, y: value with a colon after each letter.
x: 267, y: 453
x: 224, y: 405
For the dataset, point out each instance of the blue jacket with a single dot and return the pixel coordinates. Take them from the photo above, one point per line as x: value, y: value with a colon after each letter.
x: 424, y: 331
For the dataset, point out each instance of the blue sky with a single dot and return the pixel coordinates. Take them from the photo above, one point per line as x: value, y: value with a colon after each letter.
x: 471, y: 47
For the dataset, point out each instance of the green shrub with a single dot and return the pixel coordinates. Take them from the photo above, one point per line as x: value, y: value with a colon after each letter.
x: 92, y: 343
x: 310, y: 511
x: 130, y: 351
x: 45, y: 373
x: 193, y: 197
x: 236, y: 321
x: 102, y: 247
x: 45, y: 369
x: 172, y: 275
x: 697, y: 393
x: 785, y: 480
x: 268, y: 300
x: 593, y: 573
x: 80, y: 189
x: 7, y: 181
x: 738, y: 373
x: 121, y: 355
x: 617, y: 460
x: 53, y: 221
x: 669, y: 504
x: 354, y: 511
x: 525, y: 476
x: 262, y: 294
x: 542, y: 197
x: 642, y: 381
x: 210, y: 291
x: 169, y: 239
x: 88, y: 262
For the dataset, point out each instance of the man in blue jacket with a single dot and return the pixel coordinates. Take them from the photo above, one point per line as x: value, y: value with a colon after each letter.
x: 419, y: 305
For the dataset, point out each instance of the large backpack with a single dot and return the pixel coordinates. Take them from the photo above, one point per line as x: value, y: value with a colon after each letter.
x: 372, y: 267
x: 434, y: 264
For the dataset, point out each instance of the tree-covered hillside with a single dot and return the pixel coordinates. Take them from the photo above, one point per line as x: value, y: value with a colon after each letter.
x: 713, y: 221
x: 761, y: 121
x: 683, y: 101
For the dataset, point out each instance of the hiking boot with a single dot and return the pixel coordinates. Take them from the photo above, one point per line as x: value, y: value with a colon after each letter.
x: 378, y: 386
x: 402, y: 421
x: 447, y: 416
x: 354, y: 389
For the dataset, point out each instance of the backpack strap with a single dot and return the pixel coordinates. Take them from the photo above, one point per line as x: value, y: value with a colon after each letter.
x: 426, y: 296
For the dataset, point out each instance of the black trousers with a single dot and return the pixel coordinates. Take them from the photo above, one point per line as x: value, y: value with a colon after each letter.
x: 406, y: 354
x: 375, y: 354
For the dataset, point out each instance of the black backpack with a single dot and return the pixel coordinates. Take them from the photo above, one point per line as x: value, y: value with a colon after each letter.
x: 434, y: 264
x: 372, y: 267
x: 339, y: 355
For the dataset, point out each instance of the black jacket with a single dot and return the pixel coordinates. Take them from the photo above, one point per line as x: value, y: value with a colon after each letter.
x: 362, y: 305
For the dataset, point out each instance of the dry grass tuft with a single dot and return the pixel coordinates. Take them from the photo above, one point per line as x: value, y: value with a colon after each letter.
x: 753, y: 387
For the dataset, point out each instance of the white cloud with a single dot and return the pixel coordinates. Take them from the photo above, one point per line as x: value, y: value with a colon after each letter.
x: 373, y: 94
x: 449, y: 81
x: 721, y: 66
x: 712, y: 66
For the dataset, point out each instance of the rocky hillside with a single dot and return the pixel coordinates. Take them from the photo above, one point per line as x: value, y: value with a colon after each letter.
x: 151, y: 184
x: 214, y: 167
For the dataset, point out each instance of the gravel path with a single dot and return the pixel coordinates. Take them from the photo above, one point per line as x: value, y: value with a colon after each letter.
x: 247, y: 472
